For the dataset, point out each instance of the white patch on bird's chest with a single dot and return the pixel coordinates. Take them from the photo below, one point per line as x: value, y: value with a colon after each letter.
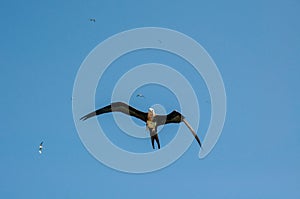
x: 151, y: 124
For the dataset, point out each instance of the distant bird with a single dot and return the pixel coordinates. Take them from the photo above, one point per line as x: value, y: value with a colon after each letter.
x: 150, y: 118
x: 140, y: 95
x: 41, y: 148
x: 93, y: 20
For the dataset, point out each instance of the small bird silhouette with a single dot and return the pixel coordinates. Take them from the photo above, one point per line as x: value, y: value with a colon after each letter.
x: 41, y: 147
x: 140, y: 95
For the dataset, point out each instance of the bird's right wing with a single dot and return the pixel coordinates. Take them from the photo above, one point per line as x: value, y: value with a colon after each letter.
x: 118, y: 107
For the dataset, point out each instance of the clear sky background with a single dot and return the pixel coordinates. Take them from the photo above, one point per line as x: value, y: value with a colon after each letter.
x: 255, y: 45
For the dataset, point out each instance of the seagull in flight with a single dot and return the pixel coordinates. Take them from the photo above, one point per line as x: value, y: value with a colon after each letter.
x: 41, y: 147
x: 151, y: 120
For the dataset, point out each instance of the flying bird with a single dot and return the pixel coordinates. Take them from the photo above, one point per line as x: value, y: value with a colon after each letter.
x: 150, y: 118
x: 93, y: 20
x: 41, y: 147
x: 140, y: 95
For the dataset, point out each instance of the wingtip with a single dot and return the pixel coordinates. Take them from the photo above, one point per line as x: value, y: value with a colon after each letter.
x: 92, y: 114
x: 199, y: 142
x: 83, y: 118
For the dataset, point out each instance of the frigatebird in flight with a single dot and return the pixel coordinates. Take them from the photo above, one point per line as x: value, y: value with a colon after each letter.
x: 150, y: 118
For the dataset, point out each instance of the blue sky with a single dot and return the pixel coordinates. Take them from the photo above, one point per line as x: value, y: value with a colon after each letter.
x: 256, y: 47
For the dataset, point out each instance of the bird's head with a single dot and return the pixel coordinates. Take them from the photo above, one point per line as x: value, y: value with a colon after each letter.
x: 151, y: 112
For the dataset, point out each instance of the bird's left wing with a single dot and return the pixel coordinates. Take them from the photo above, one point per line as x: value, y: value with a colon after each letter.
x: 118, y: 107
x: 175, y: 117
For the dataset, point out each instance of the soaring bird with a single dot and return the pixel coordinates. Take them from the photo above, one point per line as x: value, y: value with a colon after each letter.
x: 41, y: 147
x: 140, y: 95
x: 150, y: 118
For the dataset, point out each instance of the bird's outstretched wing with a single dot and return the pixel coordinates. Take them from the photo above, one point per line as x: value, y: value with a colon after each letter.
x: 175, y: 117
x: 118, y: 107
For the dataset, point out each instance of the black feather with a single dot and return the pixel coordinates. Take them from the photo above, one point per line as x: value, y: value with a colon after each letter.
x: 118, y: 107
